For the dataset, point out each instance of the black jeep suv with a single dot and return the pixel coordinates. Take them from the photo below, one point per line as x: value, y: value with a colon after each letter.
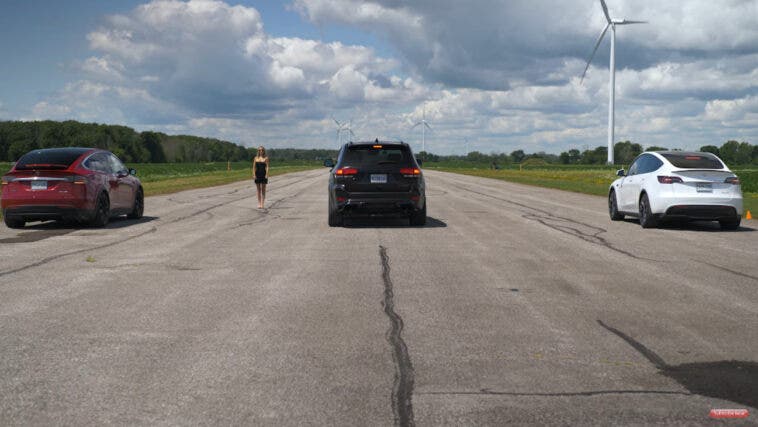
x: 376, y: 178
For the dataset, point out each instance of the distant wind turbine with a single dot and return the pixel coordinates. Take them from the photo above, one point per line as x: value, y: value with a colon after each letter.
x: 612, y: 86
x: 424, y: 125
x: 342, y: 128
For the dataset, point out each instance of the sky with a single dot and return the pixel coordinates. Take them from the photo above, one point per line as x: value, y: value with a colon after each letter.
x: 488, y: 75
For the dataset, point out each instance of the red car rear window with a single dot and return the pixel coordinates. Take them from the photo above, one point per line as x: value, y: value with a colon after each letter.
x: 50, y: 158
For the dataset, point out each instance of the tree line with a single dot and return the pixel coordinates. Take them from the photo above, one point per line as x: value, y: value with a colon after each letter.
x: 18, y: 138
x: 734, y: 153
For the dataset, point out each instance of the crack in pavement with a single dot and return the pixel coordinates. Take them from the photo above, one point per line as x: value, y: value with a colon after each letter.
x: 558, y: 223
x: 402, y: 389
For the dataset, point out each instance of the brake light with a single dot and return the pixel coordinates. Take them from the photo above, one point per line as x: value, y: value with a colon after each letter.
x: 346, y: 171
x: 669, y: 179
x: 732, y: 180
x: 376, y: 146
x: 76, y: 179
x: 7, y: 180
x: 410, y: 172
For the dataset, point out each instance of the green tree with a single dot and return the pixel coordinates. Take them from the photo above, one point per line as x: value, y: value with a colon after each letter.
x: 624, y: 152
x: 710, y: 149
x: 518, y: 156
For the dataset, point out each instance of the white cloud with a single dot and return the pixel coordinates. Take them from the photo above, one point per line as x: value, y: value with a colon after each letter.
x: 505, y: 75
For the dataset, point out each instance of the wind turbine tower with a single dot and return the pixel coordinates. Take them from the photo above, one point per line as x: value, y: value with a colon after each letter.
x: 612, y: 23
x: 424, y: 125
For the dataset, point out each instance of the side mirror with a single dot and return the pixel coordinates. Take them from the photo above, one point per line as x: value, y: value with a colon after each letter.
x: 620, y: 172
x: 329, y: 163
x: 419, y: 161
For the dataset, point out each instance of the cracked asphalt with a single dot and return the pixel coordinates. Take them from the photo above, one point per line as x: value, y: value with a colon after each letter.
x: 514, y: 305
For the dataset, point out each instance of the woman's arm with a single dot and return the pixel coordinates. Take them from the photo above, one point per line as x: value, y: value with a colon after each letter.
x: 266, y: 167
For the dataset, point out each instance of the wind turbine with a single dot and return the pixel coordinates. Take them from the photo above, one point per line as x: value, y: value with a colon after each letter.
x: 343, y: 127
x: 424, y: 125
x: 612, y: 86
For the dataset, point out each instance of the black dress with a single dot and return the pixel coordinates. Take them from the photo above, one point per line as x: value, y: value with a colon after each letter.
x: 260, y: 173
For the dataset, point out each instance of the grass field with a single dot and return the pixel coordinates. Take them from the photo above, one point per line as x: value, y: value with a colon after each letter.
x: 594, y: 180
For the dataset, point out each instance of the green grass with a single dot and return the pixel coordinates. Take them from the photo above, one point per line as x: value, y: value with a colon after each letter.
x: 595, y: 180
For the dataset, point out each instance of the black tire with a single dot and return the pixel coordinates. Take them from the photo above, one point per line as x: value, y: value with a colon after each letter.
x: 139, y: 206
x: 613, y: 209
x: 102, y: 211
x: 13, y: 222
x: 647, y: 219
x: 418, y: 218
x: 733, y: 224
x: 335, y: 218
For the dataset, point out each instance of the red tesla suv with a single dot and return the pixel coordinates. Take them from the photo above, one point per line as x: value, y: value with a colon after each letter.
x: 71, y: 184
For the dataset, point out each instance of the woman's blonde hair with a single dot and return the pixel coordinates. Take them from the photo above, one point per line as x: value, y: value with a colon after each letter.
x: 261, y: 150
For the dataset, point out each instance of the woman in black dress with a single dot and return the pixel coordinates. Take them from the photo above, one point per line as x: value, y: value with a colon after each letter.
x: 260, y: 171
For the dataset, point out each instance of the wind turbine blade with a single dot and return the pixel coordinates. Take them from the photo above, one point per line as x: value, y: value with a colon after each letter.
x: 592, y: 55
x: 625, y: 22
x: 414, y: 126
x: 338, y: 123
x: 605, y: 11
x: 427, y: 125
x: 351, y: 132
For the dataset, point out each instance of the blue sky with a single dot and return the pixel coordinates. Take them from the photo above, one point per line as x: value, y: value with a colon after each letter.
x: 278, y: 72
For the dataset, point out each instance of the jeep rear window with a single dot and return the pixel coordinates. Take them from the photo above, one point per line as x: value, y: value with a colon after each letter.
x: 49, y: 158
x: 694, y: 160
x: 368, y: 156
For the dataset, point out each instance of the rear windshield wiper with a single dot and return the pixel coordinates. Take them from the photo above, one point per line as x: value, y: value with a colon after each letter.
x: 386, y: 162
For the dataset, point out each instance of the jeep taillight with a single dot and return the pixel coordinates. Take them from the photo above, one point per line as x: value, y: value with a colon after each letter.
x: 732, y: 180
x: 410, y: 172
x: 346, y: 171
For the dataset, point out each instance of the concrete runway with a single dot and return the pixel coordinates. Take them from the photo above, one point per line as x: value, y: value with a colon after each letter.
x: 514, y: 305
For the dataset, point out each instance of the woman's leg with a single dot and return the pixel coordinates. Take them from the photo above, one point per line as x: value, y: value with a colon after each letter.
x: 263, y: 194
x: 258, y: 190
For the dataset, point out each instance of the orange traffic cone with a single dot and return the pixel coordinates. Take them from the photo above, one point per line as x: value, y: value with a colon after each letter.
x: 748, y: 216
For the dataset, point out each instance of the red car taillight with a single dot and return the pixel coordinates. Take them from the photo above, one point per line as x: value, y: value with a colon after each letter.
x: 410, y: 172
x: 346, y: 171
x: 669, y: 179
x: 7, y: 180
x: 76, y: 179
x: 732, y: 180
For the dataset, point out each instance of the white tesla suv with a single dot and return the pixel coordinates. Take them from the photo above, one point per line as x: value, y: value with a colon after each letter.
x: 677, y: 185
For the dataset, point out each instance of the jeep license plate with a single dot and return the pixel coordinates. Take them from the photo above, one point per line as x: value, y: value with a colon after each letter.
x: 379, y: 178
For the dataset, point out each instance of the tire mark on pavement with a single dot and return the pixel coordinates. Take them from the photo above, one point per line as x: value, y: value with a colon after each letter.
x: 488, y: 392
x: 151, y: 230
x: 733, y: 380
x: 265, y: 214
x: 402, y: 389
x: 227, y: 202
x: 78, y: 251
x: 729, y: 270
x: 559, y: 223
